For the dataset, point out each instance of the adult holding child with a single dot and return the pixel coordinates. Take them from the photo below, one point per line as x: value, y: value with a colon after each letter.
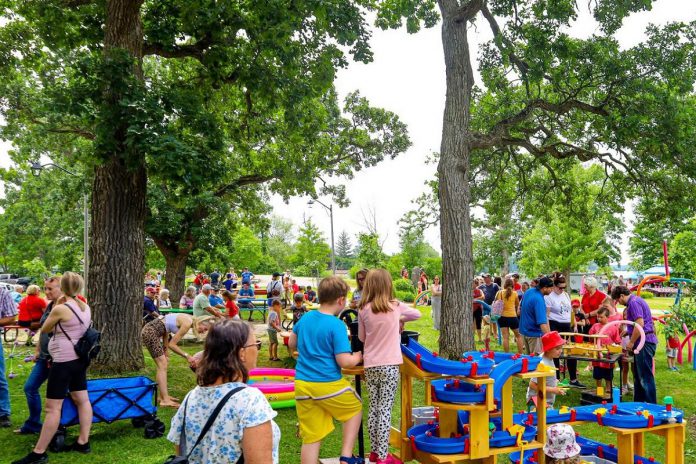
x: 155, y: 337
x: 321, y: 392
x: 244, y: 426
x: 68, y: 321
x: 379, y: 325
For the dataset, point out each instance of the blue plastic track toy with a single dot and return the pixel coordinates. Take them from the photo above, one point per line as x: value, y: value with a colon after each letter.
x: 620, y: 415
x: 430, y: 362
x: 608, y: 452
x: 454, y: 391
x: 115, y: 399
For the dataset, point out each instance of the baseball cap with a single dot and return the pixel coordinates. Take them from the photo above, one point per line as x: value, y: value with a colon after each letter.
x: 575, y: 303
x: 545, y: 282
x: 207, y: 287
x: 277, y: 274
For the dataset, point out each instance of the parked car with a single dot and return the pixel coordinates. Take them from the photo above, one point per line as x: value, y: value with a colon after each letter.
x: 16, y: 280
x: 8, y: 287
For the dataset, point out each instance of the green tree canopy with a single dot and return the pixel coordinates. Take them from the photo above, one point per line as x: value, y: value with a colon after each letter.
x: 195, y: 99
x: 312, y: 253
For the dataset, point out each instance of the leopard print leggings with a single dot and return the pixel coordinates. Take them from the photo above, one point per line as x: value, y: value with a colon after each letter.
x: 382, y: 383
x: 151, y: 335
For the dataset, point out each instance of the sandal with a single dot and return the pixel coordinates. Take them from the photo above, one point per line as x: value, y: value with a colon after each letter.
x: 351, y: 460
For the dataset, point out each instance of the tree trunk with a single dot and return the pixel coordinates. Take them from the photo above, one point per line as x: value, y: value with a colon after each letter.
x: 457, y: 333
x: 506, y: 261
x: 117, y: 239
x: 175, y: 272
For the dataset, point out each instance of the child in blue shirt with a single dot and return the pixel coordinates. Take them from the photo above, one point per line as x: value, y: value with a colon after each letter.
x: 321, y: 392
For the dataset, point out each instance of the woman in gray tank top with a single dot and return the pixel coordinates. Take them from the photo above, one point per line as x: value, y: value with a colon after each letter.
x: 155, y: 336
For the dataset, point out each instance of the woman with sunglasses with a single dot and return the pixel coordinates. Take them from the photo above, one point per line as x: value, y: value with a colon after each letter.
x: 357, y: 293
x: 245, y: 425
x: 562, y: 319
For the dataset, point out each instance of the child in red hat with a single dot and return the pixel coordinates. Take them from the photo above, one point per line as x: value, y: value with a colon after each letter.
x: 551, y: 343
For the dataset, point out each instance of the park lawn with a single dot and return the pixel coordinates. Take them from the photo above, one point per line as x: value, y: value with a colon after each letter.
x: 120, y: 442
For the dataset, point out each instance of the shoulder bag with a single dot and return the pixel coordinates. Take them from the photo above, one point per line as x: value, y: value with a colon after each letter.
x: 183, y: 456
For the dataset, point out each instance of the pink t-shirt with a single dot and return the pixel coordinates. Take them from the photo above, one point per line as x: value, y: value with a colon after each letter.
x: 381, y: 334
x: 613, y: 337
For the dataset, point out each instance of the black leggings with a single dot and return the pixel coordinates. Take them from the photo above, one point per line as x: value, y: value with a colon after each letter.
x: 570, y: 363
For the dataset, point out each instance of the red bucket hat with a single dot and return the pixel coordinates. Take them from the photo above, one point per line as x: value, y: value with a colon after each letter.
x: 551, y: 340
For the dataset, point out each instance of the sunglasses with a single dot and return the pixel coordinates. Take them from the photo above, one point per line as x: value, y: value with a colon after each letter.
x: 257, y: 345
x: 563, y: 287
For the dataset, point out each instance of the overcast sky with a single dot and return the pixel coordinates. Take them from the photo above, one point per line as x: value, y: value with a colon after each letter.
x: 407, y: 77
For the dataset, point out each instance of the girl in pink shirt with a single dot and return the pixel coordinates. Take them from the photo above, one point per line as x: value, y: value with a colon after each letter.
x: 379, y: 327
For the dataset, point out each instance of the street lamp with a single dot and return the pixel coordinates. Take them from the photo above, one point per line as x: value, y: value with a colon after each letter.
x: 36, y: 169
x: 333, y: 250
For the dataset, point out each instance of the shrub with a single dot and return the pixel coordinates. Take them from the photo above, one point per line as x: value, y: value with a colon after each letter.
x: 646, y: 294
x: 403, y: 285
x: 406, y: 297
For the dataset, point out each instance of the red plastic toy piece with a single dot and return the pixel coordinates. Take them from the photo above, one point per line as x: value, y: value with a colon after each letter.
x: 413, y: 443
x: 573, y: 415
x: 474, y: 369
x: 525, y: 365
x: 435, y: 354
x: 600, y: 452
x: 466, y: 446
x: 651, y: 421
x: 418, y: 361
x: 599, y: 421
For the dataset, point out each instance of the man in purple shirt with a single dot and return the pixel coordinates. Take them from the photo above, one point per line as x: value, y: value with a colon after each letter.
x: 638, y: 311
x: 8, y: 313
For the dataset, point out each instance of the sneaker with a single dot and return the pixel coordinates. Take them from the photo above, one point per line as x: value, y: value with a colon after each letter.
x: 373, y: 457
x: 576, y: 384
x: 5, y: 421
x: 32, y: 458
x: 84, y: 449
x: 564, y: 383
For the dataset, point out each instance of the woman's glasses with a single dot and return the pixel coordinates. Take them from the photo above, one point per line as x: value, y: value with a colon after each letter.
x: 257, y: 344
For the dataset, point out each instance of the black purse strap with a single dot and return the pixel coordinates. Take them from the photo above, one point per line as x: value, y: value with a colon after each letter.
x: 78, y: 318
x: 206, y: 427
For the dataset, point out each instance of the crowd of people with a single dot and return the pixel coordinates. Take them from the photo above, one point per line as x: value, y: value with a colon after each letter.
x: 530, y: 310
x: 534, y: 314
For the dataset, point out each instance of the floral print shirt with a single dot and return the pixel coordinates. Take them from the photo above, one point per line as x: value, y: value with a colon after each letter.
x: 223, y: 442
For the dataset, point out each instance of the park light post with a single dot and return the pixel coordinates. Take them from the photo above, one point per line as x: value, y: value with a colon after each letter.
x: 333, y: 249
x: 36, y: 169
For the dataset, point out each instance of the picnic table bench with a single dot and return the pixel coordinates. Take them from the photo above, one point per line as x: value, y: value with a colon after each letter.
x: 259, y: 304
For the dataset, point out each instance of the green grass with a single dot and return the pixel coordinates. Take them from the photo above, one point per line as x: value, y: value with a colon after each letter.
x: 120, y: 442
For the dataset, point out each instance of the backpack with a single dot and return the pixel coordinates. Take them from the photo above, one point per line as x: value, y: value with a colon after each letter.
x: 497, y: 308
x: 89, y: 344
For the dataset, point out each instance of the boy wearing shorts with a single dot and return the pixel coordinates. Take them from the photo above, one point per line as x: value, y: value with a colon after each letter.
x: 321, y: 392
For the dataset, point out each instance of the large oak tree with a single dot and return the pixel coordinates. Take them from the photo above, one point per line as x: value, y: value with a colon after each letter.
x: 550, y: 95
x: 181, y: 88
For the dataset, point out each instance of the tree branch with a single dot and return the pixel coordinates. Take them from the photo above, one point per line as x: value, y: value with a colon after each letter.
x: 468, y: 11
x: 502, y: 128
x: 520, y: 64
x: 76, y: 3
x: 241, y: 182
x: 194, y: 50
x: 63, y: 130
